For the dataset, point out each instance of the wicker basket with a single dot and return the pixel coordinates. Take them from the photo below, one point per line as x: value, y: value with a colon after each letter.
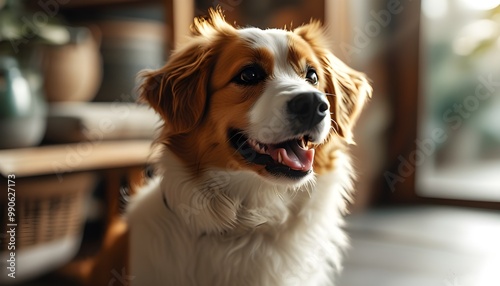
x: 50, y: 215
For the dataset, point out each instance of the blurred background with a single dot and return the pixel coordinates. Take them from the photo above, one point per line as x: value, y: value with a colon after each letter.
x: 427, y: 205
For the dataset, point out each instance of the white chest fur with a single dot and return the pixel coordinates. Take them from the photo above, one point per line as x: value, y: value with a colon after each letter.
x: 244, y: 233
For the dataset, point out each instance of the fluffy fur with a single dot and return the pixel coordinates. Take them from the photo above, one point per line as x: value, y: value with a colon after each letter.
x: 214, y: 217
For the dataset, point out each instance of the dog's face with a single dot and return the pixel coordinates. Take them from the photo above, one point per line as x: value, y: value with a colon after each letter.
x: 267, y: 101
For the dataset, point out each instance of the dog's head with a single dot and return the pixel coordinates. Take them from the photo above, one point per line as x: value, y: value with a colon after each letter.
x: 266, y: 101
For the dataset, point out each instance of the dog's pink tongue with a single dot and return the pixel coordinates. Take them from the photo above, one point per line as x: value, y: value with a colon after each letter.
x: 293, y: 156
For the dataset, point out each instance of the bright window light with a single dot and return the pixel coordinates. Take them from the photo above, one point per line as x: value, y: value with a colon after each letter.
x: 435, y: 9
x: 479, y: 4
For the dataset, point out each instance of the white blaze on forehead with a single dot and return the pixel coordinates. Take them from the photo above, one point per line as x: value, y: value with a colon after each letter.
x: 275, y: 41
x: 268, y: 117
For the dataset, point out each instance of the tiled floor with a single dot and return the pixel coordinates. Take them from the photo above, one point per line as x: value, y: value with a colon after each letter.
x: 424, y: 246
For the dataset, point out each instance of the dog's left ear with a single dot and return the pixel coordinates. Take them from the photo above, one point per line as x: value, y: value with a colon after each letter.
x: 347, y: 88
x: 351, y: 90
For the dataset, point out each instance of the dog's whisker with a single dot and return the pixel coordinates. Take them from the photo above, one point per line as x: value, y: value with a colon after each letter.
x: 233, y: 136
x: 336, y: 125
x: 334, y: 130
x: 279, y: 194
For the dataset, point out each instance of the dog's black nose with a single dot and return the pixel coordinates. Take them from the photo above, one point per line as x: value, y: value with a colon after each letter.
x: 308, y: 109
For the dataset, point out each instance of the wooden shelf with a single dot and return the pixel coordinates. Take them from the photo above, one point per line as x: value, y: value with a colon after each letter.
x: 97, y: 3
x: 67, y: 158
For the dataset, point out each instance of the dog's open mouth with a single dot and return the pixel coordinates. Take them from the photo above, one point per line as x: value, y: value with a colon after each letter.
x: 292, y: 158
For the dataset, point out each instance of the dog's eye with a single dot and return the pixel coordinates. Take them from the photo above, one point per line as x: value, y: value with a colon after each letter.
x: 311, y: 76
x: 250, y: 75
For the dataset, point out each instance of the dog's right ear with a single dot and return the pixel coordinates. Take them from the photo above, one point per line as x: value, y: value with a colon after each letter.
x: 178, y: 91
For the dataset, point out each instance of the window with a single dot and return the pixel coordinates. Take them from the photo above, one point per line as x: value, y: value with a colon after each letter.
x: 458, y: 139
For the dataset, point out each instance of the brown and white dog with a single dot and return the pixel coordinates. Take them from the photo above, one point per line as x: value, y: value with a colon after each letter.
x: 254, y: 169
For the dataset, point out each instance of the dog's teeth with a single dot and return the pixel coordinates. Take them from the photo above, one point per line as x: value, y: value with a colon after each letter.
x: 259, y: 147
x: 302, y: 143
x: 252, y: 142
x: 280, y: 160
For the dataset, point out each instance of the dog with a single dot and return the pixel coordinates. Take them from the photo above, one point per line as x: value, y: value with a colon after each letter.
x: 254, y: 171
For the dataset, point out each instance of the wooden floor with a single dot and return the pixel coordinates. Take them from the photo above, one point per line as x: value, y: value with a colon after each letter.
x: 421, y: 246
x: 424, y: 246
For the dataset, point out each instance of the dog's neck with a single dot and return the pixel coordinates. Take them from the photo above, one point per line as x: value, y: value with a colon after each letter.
x: 225, y: 201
